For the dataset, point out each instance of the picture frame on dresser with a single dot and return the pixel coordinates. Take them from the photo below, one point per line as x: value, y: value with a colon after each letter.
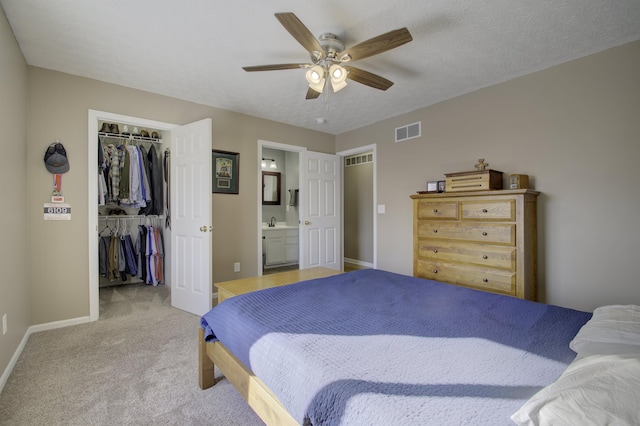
x: 226, y: 172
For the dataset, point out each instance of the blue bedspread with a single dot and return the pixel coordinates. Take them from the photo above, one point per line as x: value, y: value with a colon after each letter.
x: 374, y: 347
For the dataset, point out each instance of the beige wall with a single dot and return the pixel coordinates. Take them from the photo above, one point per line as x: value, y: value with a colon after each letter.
x: 58, y: 105
x: 573, y: 128
x: 14, y: 286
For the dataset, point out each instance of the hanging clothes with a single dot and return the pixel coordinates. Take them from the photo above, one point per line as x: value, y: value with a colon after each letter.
x: 141, y: 249
x: 158, y: 256
x: 131, y: 176
x: 114, y: 263
x: 103, y: 253
x: 125, y: 173
x: 136, y: 198
x: 128, y: 262
x: 122, y: 260
x: 150, y: 250
x: 155, y: 183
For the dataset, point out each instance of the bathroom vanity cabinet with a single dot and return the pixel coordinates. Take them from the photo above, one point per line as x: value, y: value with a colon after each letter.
x: 280, y: 245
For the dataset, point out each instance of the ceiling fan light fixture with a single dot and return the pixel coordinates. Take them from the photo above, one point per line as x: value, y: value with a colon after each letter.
x: 337, y: 72
x: 338, y: 77
x: 315, y: 77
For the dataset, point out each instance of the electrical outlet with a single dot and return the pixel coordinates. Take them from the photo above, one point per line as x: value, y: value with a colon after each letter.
x: 4, y: 324
x: 236, y: 267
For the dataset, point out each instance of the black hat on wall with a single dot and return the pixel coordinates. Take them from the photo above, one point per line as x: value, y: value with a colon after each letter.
x: 55, y: 159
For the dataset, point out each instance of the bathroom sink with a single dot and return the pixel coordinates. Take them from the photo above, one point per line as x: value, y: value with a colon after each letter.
x: 279, y: 225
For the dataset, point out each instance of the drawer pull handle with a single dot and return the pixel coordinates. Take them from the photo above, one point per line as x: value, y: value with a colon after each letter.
x: 484, y: 280
x: 485, y: 257
x: 435, y: 271
x: 435, y: 210
x: 484, y: 210
x: 435, y: 250
x: 484, y: 234
x: 435, y: 231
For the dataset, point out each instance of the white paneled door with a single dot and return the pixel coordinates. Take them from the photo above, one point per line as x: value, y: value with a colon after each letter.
x: 191, y: 229
x: 320, y: 209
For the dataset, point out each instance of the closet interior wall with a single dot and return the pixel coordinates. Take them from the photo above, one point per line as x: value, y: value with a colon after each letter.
x: 136, y: 219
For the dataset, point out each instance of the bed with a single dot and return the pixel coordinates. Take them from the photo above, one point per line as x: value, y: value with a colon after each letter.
x: 376, y: 347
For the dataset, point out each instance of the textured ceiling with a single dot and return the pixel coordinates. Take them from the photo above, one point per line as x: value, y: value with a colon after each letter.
x: 195, y: 49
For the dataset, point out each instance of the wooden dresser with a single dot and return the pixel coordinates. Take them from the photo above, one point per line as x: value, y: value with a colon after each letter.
x: 481, y: 239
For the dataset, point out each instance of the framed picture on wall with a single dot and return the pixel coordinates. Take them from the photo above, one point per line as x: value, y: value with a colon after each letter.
x: 226, y: 171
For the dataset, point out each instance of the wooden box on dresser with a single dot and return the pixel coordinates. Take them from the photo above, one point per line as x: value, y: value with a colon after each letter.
x: 481, y: 239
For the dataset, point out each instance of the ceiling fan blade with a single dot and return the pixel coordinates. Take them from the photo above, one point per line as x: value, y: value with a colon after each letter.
x: 276, y: 67
x: 367, y: 78
x: 312, y: 94
x: 297, y: 29
x: 376, y: 45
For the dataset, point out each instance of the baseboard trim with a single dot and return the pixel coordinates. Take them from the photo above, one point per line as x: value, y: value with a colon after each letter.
x: 25, y: 339
x: 58, y: 324
x: 358, y: 263
x: 13, y: 361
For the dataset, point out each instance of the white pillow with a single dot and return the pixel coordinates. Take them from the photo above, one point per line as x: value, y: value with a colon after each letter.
x: 596, y: 390
x: 613, y: 329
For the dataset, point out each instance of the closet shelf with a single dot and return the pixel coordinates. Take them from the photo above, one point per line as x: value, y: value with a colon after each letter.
x: 130, y: 137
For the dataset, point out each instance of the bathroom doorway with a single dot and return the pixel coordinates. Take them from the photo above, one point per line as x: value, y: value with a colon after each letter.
x: 318, y: 209
x: 280, y: 214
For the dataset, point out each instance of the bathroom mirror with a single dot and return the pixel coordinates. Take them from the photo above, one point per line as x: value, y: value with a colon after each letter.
x: 271, y: 188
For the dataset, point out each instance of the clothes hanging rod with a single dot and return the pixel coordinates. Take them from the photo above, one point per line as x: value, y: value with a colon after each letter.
x: 129, y: 137
x: 131, y: 216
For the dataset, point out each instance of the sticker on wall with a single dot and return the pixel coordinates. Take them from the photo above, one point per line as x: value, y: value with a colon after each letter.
x: 57, y: 211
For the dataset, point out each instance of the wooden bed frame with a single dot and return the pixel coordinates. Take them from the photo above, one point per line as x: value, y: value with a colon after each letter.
x: 253, y: 390
x: 265, y: 404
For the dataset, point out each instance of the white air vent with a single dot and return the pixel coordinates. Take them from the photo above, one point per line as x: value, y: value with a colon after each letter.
x: 409, y: 131
x: 358, y: 160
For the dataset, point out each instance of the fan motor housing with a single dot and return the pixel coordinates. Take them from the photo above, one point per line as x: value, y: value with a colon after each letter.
x: 331, y: 44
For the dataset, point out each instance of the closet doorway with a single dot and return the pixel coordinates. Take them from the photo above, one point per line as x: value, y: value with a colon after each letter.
x: 188, y: 239
x: 359, y: 208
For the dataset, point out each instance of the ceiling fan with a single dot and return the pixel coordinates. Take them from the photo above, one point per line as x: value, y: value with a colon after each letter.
x: 328, y: 56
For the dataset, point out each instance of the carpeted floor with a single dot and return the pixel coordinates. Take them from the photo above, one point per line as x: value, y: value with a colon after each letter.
x: 136, y: 365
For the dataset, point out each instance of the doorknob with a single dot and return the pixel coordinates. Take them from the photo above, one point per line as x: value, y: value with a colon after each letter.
x: 203, y: 229
x: 306, y: 222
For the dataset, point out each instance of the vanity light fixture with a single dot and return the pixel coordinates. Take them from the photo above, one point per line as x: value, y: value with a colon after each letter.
x: 272, y: 164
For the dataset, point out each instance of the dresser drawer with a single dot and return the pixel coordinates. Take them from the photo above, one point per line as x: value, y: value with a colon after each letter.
x: 493, y: 280
x: 495, y: 233
x: 489, y: 210
x: 481, y: 255
x: 438, y: 210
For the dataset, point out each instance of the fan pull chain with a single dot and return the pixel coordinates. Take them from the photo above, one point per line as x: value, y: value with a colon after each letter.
x: 326, y: 100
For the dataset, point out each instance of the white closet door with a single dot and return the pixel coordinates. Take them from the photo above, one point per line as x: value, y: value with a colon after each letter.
x: 191, y: 237
x: 320, y: 209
